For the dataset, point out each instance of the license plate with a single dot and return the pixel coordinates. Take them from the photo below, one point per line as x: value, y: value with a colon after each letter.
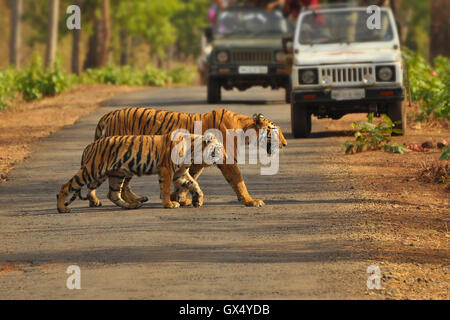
x: 348, y: 94
x: 253, y: 70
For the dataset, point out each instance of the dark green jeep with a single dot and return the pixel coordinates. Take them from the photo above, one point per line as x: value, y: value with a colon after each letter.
x: 247, y: 51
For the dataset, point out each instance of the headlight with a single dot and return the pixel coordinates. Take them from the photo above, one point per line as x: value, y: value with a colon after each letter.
x: 280, y: 56
x: 222, y: 56
x: 385, y: 73
x: 326, y: 81
x: 308, y: 76
x: 368, y: 79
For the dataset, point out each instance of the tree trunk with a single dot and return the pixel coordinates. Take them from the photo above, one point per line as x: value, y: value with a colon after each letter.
x: 170, y: 55
x: 52, y: 33
x: 124, y: 40
x: 14, y: 48
x: 440, y: 28
x: 105, y: 34
x: 98, y: 47
x: 76, y: 39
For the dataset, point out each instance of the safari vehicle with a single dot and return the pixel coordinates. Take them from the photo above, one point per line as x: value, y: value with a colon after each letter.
x: 340, y: 66
x: 247, y: 51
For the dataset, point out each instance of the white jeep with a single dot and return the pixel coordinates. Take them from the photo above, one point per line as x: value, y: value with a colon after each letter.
x: 342, y: 66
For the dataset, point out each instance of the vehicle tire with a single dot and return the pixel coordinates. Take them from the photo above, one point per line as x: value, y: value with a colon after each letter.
x: 300, y: 121
x: 288, y: 92
x: 397, y: 112
x: 213, y: 92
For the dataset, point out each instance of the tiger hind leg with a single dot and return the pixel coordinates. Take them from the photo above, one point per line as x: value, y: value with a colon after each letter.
x: 115, y: 191
x: 128, y: 195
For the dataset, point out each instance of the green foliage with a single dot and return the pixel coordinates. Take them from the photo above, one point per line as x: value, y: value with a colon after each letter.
x: 36, y: 82
x: 181, y: 75
x: 155, y: 77
x: 189, y: 21
x: 7, y: 87
x: 127, y: 75
x: 371, y: 136
x: 430, y: 86
x: 416, y: 16
x: 445, y: 154
x: 163, y: 23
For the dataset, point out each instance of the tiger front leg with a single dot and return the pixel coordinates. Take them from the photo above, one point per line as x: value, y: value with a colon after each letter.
x: 94, y: 201
x: 74, y: 186
x: 165, y: 181
x: 181, y: 195
x: 185, y: 183
x: 115, y: 190
x: 61, y: 198
x: 233, y: 176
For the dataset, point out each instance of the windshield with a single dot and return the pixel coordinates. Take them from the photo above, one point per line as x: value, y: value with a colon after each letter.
x: 250, y: 22
x: 342, y: 27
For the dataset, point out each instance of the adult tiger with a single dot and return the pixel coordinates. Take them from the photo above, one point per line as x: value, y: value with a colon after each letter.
x: 154, y: 121
x: 120, y: 157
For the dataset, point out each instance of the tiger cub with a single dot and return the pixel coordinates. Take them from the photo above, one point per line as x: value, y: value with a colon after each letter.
x: 121, y: 157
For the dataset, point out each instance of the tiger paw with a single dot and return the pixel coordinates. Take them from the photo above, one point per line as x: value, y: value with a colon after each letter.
x: 254, y: 203
x: 135, y: 205
x: 197, y: 202
x: 95, y: 203
x: 186, y: 202
x: 172, y: 205
x: 63, y: 210
x: 143, y: 199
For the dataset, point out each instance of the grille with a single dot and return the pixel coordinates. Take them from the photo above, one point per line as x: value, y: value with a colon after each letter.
x: 347, y: 74
x: 251, y: 56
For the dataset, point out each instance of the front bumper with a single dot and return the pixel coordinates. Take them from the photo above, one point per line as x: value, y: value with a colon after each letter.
x: 320, y: 103
x: 228, y: 75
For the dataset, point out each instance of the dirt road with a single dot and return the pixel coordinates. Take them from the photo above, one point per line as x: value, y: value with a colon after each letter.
x: 298, y: 246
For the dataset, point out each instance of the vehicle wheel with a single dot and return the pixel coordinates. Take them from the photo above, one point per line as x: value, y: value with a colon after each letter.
x: 397, y: 112
x: 300, y: 121
x: 213, y: 92
x: 288, y: 92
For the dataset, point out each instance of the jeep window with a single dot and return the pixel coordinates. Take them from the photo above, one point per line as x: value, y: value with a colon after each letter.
x: 342, y: 27
x: 250, y: 22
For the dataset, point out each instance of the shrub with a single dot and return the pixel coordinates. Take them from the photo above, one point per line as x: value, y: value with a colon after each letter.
x: 155, y: 77
x: 371, y: 136
x: 36, y: 82
x: 181, y: 75
x: 7, y: 87
x: 429, y: 86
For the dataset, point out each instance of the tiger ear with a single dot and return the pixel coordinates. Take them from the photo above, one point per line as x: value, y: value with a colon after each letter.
x: 258, y: 119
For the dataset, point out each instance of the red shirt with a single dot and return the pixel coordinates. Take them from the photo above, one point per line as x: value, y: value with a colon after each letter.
x: 293, y: 7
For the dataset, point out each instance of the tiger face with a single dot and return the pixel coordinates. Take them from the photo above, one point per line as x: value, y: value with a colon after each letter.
x: 269, y: 129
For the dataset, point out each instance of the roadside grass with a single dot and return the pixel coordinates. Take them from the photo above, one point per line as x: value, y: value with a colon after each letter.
x: 36, y: 82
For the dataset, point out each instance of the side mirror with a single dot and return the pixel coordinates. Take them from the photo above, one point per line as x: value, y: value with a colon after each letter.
x: 209, y: 34
x: 288, y: 44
